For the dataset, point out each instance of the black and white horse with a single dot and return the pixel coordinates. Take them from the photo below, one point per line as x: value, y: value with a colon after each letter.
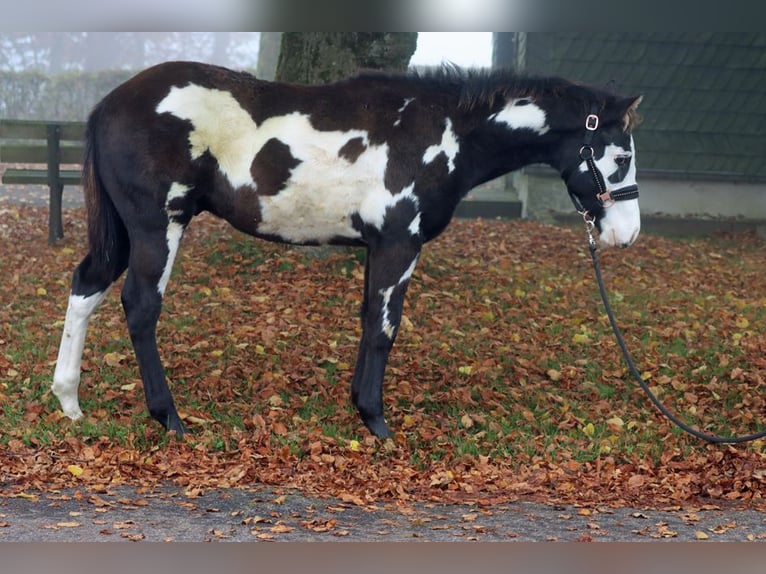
x: 379, y: 161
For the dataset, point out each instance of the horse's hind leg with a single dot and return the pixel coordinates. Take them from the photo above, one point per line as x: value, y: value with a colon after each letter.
x: 151, y: 260
x: 90, y: 283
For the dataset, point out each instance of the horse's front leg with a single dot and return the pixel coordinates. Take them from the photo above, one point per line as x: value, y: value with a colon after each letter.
x: 387, y: 275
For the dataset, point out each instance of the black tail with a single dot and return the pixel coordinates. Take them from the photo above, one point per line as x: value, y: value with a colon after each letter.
x: 106, y: 232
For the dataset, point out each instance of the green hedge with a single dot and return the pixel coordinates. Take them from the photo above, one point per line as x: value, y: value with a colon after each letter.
x: 67, y: 96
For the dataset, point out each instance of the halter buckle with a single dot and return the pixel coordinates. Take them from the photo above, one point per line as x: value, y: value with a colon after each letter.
x: 591, y: 122
x: 606, y: 198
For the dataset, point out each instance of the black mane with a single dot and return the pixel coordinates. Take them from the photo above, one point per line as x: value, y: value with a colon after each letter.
x: 483, y: 87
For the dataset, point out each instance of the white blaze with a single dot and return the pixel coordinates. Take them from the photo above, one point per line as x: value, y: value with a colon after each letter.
x: 622, y: 219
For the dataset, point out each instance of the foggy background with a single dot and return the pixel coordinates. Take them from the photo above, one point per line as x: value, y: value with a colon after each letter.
x: 56, y: 52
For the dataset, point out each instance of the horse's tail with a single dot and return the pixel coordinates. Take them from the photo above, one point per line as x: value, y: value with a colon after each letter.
x: 106, y: 231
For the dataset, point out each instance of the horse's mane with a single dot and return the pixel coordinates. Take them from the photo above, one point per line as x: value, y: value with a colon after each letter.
x: 481, y: 87
x: 476, y: 88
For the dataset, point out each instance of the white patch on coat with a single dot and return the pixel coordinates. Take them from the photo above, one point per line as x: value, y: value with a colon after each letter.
x: 407, y: 102
x: 414, y: 226
x: 220, y: 126
x: 325, y: 189
x: 173, y: 233
x: 449, y: 146
x: 386, y: 326
x: 373, y: 210
x: 528, y: 116
x: 622, y: 219
x: 66, y: 377
x: 323, y: 192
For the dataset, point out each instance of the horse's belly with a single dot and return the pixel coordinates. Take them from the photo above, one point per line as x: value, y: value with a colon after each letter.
x: 298, y: 214
x: 321, y: 196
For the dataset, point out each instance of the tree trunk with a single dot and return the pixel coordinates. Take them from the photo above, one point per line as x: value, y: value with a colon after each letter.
x: 504, y: 50
x: 268, y: 55
x: 324, y: 57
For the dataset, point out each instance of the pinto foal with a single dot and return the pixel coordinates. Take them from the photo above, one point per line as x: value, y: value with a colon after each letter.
x: 379, y: 161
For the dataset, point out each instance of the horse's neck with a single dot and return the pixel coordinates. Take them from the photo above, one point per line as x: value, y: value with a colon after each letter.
x: 493, y: 153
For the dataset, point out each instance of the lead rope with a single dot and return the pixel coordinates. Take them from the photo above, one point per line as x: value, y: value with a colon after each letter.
x: 589, y: 224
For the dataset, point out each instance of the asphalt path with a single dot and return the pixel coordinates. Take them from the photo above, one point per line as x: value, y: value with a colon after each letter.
x: 170, y: 514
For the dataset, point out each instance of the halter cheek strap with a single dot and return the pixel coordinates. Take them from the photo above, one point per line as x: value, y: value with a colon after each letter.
x: 606, y: 196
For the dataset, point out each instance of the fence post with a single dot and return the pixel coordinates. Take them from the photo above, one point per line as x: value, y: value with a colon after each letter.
x: 56, y: 187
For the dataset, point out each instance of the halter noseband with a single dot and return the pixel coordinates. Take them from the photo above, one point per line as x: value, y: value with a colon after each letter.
x: 606, y: 196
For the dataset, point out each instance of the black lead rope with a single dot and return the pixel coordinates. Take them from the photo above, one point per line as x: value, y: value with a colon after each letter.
x: 634, y: 371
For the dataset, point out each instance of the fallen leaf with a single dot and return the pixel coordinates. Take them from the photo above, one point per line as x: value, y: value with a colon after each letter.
x: 352, y: 498
x: 74, y: 470
x: 553, y: 374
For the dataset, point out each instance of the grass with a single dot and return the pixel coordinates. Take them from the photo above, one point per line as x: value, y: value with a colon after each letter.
x: 506, y: 353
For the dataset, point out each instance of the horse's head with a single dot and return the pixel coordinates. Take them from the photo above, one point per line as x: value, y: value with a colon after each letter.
x: 598, y: 164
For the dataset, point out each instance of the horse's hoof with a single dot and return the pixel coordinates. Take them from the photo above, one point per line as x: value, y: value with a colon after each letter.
x: 378, y: 427
x: 175, y: 424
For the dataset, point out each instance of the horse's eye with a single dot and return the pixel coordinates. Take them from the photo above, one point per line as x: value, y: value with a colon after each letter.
x: 622, y: 160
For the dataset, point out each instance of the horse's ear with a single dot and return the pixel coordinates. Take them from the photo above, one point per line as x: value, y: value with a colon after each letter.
x: 630, y: 117
x: 633, y: 103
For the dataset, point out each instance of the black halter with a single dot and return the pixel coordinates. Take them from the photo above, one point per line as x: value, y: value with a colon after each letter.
x: 604, y: 195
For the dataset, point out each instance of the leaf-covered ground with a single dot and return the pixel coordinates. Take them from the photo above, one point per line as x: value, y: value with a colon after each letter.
x: 505, y: 381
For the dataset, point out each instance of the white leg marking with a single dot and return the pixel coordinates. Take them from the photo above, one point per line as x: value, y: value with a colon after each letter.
x: 410, y: 270
x: 173, y: 234
x: 414, y: 226
x: 66, y: 378
x: 177, y: 190
x: 386, y: 326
